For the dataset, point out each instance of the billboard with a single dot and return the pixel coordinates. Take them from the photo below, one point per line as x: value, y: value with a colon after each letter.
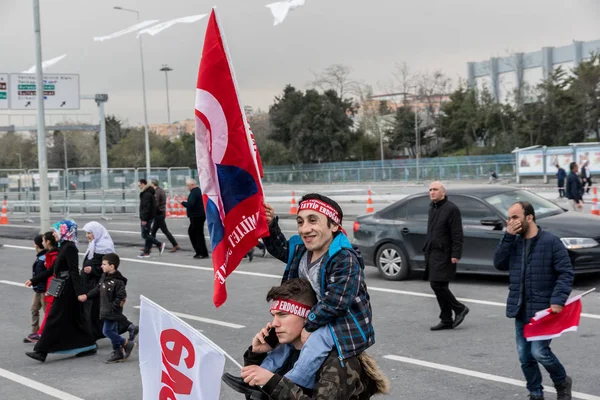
x: 531, y: 162
x: 3, y: 91
x: 562, y: 156
x: 61, y: 91
x: 591, y: 154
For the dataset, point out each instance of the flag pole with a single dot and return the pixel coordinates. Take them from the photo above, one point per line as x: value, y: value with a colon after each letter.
x: 588, y: 292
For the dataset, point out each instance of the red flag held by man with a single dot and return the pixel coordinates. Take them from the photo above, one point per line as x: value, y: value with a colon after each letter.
x: 227, y: 168
x: 546, y: 325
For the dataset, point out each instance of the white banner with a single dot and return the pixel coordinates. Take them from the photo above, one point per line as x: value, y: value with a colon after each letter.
x: 45, y: 64
x: 155, y: 29
x: 281, y: 9
x: 125, y: 31
x: 176, y: 362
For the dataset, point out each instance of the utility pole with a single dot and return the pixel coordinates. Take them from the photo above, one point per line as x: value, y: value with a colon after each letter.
x: 166, y: 70
x: 41, y: 124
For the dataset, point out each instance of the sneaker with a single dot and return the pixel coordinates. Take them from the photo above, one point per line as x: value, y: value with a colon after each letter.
x: 128, y: 348
x: 264, y: 252
x: 115, y: 356
x: 32, y: 338
x: 144, y: 255
x: 162, y: 247
x: 251, y: 255
x: 133, y: 331
x: 142, y: 249
x: 175, y: 248
x: 563, y: 390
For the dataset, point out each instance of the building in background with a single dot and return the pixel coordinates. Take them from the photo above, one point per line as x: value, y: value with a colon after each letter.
x: 502, y: 75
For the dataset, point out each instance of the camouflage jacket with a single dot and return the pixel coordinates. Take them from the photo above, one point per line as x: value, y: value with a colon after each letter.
x: 334, y: 381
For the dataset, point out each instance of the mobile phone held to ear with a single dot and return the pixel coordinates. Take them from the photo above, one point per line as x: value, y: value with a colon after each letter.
x: 271, y: 339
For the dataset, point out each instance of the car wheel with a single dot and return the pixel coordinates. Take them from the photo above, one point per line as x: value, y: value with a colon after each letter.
x: 392, y: 262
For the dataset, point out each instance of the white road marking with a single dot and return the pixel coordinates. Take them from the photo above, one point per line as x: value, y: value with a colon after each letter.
x: 22, y: 284
x: 480, y: 375
x: 206, y: 320
x: 40, y: 387
x: 264, y: 275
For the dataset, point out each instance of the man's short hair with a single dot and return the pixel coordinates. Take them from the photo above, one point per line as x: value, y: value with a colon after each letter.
x: 112, y: 259
x: 190, y: 181
x: 296, y: 289
x: 154, y: 182
x: 527, y: 208
x: 143, y: 181
x: 572, y: 166
x: 325, y: 199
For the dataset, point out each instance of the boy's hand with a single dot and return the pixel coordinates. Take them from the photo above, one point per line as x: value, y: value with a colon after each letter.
x: 28, y: 283
x: 269, y: 213
x: 255, y: 375
x: 87, y: 270
x: 304, y: 336
x: 82, y: 298
x: 259, y: 345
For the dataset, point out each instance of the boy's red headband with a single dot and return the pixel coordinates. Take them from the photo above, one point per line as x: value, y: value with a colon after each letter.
x: 290, y: 307
x: 322, y: 208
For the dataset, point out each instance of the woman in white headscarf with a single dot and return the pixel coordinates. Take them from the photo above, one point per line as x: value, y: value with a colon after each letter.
x: 99, y: 244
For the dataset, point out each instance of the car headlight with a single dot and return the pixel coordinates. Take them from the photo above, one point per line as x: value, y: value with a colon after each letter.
x: 578, y: 243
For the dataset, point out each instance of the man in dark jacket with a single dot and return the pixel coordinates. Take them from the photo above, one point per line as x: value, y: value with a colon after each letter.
x: 443, y: 249
x: 541, y: 277
x: 560, y: 180
x: 112, y: 292
x: 161, y: 215
x: 147, y: 215
x: 574, y: 188
x: 195, y: 212
x: 357, y: 378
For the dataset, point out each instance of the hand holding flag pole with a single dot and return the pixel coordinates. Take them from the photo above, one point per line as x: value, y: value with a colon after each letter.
x: 547, y: 324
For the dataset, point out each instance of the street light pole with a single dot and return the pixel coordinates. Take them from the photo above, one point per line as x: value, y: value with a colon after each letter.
x: 417, y: 141
x: 146, y: 137
x: 166, y: 70
x: 41, y: 125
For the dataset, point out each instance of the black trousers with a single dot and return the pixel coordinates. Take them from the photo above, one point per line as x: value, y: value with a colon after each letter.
x: 447, y: 301
x: 561, y: 188
x: 196, y: 234
x: 588, y: 183
x: 149, y: 240
x: 161, y: 223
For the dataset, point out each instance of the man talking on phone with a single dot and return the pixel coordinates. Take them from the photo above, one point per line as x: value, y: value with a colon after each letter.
x: 541, y: 277
x: 358, y: 377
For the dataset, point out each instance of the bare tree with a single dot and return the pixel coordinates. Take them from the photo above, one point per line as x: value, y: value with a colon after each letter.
x: 337, y: 77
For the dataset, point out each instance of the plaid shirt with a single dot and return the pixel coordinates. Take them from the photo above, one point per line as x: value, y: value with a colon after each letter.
x: 345, y: 305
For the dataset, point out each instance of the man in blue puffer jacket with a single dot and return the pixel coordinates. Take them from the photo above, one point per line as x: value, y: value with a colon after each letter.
x: 541, y: 277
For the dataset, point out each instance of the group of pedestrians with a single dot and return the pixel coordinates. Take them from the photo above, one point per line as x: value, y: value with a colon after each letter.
x: 314, y: 347
x: 575, y: 184
x: 60, y: 288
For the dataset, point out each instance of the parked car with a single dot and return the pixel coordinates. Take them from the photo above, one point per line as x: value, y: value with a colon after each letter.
x: 392, y: 239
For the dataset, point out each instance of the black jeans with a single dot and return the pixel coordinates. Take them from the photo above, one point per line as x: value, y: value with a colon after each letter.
x: 447, y: 301
x: 161, y: 223
x: 561, y: 188
x: 149, y: 240
x: 196, y: 234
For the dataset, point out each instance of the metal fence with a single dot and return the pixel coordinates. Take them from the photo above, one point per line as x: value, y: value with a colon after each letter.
x: 79, y: 190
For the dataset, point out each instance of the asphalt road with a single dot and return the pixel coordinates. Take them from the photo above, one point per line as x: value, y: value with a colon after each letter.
x: 476, y: 361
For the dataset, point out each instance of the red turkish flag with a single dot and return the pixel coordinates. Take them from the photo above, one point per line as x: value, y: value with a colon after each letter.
x: 232, y: 191
x: 546, y: 325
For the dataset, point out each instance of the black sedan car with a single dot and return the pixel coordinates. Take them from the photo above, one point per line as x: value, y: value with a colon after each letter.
x: 392, y: 239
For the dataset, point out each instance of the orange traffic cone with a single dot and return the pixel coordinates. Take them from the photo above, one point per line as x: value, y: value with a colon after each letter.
x: 595, y: 210
x: 293, y: 207
x: 370, y: 208
x: 169, y: 204
x: 182, y: 208
x: 4, y: 215
x: 595, y: 199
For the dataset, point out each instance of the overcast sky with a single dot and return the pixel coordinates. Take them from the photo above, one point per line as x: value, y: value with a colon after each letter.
x: 369, y: 36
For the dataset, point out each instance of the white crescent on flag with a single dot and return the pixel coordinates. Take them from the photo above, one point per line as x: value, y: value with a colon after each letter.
x: 281, y: 9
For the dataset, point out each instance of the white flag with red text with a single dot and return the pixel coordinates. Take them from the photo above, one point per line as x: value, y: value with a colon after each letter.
x: 175, y: 360
x: 546, y: 325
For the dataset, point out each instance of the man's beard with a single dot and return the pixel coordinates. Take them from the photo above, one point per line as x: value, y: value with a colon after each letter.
x: 525, y: 228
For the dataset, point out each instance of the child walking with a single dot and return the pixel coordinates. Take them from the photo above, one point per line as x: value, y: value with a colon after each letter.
x: 38, y: 290
x: 111, y: 289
